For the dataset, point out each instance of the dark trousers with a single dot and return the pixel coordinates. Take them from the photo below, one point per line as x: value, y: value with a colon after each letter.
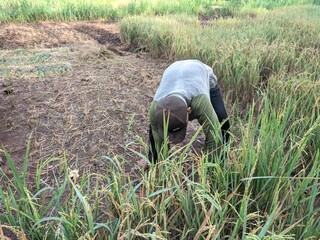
x: 219, y: 108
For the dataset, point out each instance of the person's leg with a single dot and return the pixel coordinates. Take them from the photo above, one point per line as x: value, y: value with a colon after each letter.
x: 218, y: 106
x: 152, y: 155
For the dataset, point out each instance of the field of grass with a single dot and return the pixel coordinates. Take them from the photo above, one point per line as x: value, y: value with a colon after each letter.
x: 265, y: 184
x: 244, y: 52
x: 71, y: 10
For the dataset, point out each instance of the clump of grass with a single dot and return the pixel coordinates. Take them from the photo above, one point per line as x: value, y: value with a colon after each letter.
x: 264, y: 184
x: 45, y: 70
x: 244, y: 53
x: 71, y: 10
x: 268, y: 4
x: 34, y: 63
x: 158, y: 35
x: 35, y: 10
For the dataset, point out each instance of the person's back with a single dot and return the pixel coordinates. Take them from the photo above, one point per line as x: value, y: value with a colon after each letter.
x: 188, y: 78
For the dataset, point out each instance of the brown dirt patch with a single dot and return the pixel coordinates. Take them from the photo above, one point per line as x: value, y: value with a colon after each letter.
x: 76, y: 89
x: 57, y: 34
x: 73, y: 87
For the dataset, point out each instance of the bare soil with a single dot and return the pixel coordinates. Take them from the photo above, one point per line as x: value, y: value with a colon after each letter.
x: 74, y: 89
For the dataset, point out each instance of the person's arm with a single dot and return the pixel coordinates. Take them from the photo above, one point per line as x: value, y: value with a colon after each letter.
x: 203, y: 111
x: 213, y: 80
x: 152, y: 153
x: 155, y: 139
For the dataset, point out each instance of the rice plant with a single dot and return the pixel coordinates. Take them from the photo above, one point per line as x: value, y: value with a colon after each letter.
x: 71, y: 10
x: 263, y: 185
x: 244, y: 53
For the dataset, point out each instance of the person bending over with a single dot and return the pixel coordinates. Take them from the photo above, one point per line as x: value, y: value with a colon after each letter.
x: 188, y: 90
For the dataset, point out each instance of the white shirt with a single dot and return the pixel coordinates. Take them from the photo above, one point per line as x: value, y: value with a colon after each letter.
x: 189, y: 78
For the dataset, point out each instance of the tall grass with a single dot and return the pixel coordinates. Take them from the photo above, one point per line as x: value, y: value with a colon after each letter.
x: 71, y: 10
x: 37, y: 10
x: 244, y: 53
x: 265, y: 185
x: 269, y: 4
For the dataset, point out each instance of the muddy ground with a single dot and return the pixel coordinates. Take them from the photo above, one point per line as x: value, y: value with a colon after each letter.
x: 73, y: 89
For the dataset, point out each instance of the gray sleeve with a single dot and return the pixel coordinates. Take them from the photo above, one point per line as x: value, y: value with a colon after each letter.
x: 213, y: 80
